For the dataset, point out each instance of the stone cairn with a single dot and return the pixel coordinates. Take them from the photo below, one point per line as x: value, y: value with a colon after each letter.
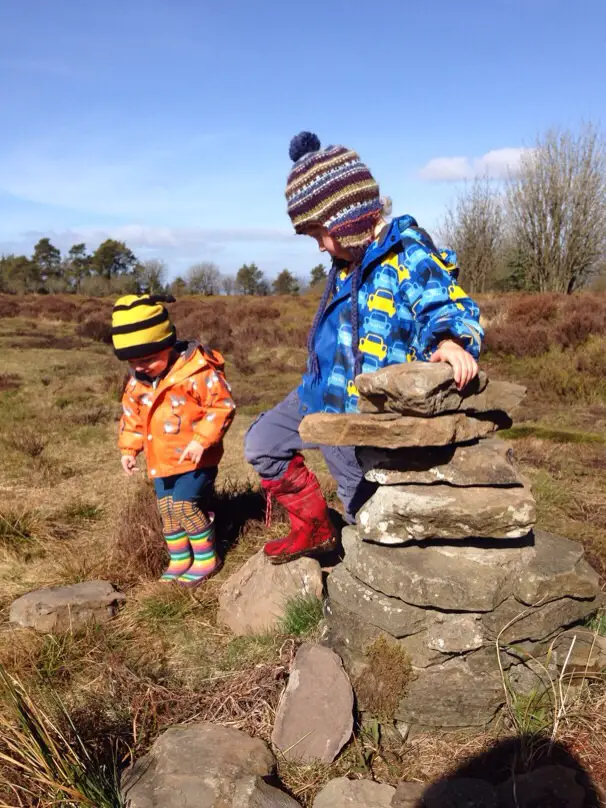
x: 444, y: 568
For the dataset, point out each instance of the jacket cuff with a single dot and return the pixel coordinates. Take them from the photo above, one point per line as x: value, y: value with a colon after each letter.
x: 129, y: 452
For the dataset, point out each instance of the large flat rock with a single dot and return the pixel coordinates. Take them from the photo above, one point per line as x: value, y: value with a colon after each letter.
x: 199, y: 766
x: 558, y: 569
x: 344, y: 793
x: 66, y: 608
x: 253, y: 600
x: 421, y: 388
x: 390, y: 614
x: 398, y: 513
x: 314, y: 719
x: 391, y: 431
x: 514, y: 621
x: 485, y: 462
x: 450, y: 696
x: 438, y: 575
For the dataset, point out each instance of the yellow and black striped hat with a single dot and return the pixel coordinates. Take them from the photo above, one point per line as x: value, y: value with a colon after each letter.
x: 141, y: 326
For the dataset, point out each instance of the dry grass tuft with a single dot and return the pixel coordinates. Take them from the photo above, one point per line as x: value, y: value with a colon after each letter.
x: 384, y: 682
x: 139, y: 550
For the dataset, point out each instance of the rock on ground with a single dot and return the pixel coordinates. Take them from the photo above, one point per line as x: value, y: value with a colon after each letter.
x: 253, y: 792
x: 391, y: 431
x: 398, y: 513
x: 344, y: 793
x: 438, y: 575
x: 253, y: 599
x: 314, y: 719
x: 485, y: 462
x: 200, y: 766
x: 66, y: 608
x: 423, y: 389
x: 408, y: 795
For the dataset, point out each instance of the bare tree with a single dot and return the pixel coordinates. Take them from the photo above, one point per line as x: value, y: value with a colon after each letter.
x: 228, y: 285
x: 152, y: 275
x: 473, y: 227
x: 204, y: 279
x: 557, y: 209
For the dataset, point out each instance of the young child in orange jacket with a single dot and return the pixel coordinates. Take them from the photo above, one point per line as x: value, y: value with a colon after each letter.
x: 177, y: 407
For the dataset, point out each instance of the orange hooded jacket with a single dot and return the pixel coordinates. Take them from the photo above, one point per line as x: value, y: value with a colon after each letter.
x: 191, y: 402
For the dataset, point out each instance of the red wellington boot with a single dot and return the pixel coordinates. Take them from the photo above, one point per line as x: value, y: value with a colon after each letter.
x: 311, y: 529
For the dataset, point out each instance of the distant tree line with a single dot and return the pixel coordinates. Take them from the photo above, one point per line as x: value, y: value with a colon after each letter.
x: 545, y: 230
x: 113, y: 269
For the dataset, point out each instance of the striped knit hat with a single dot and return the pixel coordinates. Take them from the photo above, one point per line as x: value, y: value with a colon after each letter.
x: 141, y: 326
x: 333, y: 188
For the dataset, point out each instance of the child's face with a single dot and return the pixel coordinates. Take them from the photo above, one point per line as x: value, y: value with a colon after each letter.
x: 153, y: 365
x: 328, y: 243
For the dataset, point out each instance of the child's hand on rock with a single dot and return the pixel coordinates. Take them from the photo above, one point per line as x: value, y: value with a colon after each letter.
x: 463, y: 364
x: 193, y: 451
x: 129, y: 464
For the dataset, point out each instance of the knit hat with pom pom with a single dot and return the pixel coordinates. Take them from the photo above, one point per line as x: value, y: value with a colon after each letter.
x: 333, y: 188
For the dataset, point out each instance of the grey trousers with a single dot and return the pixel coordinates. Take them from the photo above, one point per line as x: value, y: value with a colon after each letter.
x: 273, y: 440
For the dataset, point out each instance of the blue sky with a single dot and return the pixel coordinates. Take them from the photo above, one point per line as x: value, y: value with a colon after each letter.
x: 167, y: 123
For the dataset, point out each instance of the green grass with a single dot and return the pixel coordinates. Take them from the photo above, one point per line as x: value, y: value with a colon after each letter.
x: 532, y: 713
x: 598, y: 624
x: 81, y: 511
x: 18, y: 531
x: 546, y: 433
x: 249, y: 651
x: 302, y: 615
x: 165, y: 609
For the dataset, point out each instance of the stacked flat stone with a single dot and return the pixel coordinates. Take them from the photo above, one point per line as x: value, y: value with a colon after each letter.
x: 444, y: 559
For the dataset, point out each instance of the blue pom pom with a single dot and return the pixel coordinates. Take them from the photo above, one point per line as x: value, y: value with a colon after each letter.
x: 302, y: 144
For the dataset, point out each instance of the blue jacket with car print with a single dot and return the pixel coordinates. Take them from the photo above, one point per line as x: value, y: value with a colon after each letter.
x: 408, y: 302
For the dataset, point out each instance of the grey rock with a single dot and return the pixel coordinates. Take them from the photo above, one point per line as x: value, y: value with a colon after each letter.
x: 557, y: 570
x: 253, y: 792
x: 390, y: 614
x: 66, y: 608
x: 462, y: 792
x: 452, y: 633
x: 392, y: 431
x: 397, y: 513
x: 547, y: 787
x: 409, y: 795
x: 253, y: 600
x: 423, y: 389
x: 535, y: 623
x: 451, y: 695
x: 314, y: 719
x: 438, y: 576
x: 485, y: 462
x: 197, y: 766
x: 580, y: 650
x: 344, y: 793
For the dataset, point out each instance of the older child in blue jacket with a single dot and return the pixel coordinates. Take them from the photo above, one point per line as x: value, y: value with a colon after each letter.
x: 391, y: 297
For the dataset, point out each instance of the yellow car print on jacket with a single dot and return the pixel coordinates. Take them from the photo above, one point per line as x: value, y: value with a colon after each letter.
x: 374, y: 345
x: 382, y: 300
x: 352, y: 390
x: 456, y: 293
x: 394, y: 262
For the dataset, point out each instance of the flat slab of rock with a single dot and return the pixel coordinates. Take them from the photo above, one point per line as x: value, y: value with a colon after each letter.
x: 253, y: 599
x: 391, y: 431
x: 198, y: 766
x: 314, y: 719
x: 557, y: 570
x: 421, y: 388
x: 485, y: 462
x: 253, y: 792
x: 438, y: 576
x: 549, y: 786
x: 409, y: 795
x: 66, y: 608
x: 397, y: 513
x: 451, y: 695
x: 390, y: 614
x: 581, y: 650
x: 536, y: 623
x: 344, y: 793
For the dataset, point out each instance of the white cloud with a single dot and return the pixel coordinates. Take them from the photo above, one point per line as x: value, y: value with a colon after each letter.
x: 496, y: 165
